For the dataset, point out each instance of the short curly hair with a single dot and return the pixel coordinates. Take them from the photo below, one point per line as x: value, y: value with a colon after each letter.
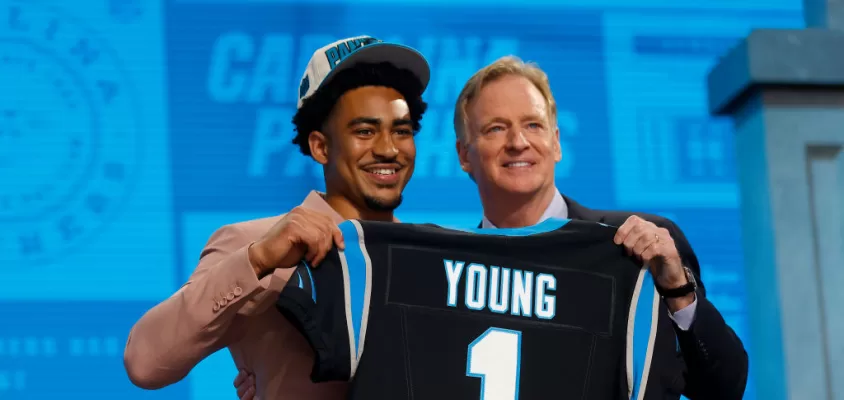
x: 316, y: 108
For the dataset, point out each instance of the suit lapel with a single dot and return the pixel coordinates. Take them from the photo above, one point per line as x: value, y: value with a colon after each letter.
x: 577, y: 211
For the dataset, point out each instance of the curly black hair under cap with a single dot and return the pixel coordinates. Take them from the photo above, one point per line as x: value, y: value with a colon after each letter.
x: 316, y: 108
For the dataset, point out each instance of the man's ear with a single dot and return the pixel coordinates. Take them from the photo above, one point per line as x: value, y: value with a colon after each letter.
x: 318, y: 143
x: 558, y: 151
x: 463, y: 156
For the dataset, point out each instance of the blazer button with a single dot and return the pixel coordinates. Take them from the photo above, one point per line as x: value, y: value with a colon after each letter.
x: 704, y: 351
x: 238, y: 291
x: 223, y: 302
x: 230, y: 296
x: 216, y: 307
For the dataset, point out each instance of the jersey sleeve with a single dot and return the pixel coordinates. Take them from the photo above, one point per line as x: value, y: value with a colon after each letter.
x: 329, y: 306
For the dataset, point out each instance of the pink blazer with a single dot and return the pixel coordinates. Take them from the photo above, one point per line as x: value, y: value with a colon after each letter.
x: 223, y: 304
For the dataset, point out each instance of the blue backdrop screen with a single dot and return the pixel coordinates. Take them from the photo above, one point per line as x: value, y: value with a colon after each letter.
x: 130, y: 130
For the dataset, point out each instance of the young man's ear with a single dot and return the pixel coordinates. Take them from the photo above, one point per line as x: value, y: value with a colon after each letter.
x: 318, y: 143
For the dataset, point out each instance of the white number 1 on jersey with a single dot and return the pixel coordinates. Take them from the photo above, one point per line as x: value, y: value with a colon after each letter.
x: 495, y: 357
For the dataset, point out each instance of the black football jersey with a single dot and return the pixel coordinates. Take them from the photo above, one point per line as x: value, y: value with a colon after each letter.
x: 412, y: 311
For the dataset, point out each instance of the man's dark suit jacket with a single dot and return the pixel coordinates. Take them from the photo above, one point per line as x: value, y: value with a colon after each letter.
x: 711, y: 362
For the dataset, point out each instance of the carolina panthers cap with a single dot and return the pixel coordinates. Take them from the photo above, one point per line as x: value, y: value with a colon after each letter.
x: 344, y: 53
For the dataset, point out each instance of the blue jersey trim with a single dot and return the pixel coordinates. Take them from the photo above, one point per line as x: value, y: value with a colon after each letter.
x: 357, y: 278
x: 313, y: 283
x: 643, y: 327
x: 311, y: 278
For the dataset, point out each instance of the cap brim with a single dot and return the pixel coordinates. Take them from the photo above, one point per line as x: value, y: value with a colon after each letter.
x: 401, y: 56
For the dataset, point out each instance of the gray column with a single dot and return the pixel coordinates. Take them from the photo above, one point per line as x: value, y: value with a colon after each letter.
x: 824, y: 14
x: 784, y: 90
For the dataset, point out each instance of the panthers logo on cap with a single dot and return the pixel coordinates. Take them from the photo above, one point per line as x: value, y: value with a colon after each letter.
x: 335, y: 54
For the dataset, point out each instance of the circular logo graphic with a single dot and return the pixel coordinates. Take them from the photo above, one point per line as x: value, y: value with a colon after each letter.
x: 69, y: 135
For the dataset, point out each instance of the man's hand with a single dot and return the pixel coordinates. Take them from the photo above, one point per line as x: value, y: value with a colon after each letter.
x: 655, y: 247
x: 302, y: 233
x: 244, y: 382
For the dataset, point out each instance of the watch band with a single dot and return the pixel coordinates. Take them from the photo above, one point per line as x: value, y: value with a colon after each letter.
x: 681, y: 291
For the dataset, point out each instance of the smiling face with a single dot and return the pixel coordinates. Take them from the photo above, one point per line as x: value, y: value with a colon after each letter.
x: 367, y: 148
x: 512, y: 145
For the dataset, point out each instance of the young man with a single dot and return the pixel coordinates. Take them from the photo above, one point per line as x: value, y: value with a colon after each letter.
x: 509, y: 143
x: 359, y: 108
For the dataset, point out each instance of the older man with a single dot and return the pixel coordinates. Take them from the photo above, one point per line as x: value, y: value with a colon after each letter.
x: 508, y: 142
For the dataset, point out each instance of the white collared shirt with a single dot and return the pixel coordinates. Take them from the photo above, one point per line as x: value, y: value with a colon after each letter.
x: 557, y: 209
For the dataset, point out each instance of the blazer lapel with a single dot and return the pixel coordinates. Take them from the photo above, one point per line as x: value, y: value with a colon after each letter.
x: 577, y: 211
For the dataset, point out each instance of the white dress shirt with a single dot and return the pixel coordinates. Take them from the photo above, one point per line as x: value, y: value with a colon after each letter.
x: 559, y: 209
